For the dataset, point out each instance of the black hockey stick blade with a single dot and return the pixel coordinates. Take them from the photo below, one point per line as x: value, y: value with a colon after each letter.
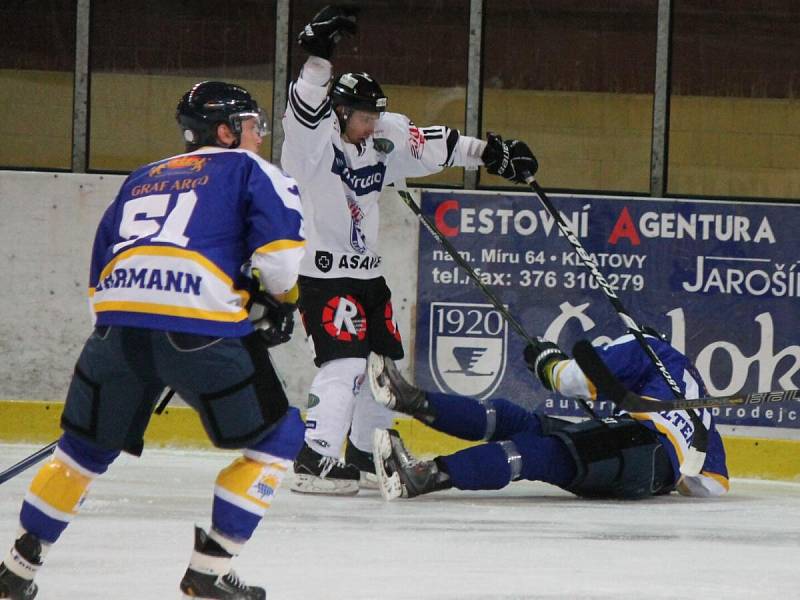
x: 602, y: 377
x: 595, y: 369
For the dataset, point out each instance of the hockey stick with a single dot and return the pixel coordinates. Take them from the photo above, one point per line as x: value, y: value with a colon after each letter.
x: 31, y: 460
x: 43, y: 453
x: 445, y: 243
x: 695, y: 458
x: 595, y: 369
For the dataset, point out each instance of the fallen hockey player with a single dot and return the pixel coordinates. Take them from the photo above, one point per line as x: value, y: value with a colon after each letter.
x: 628, y: 456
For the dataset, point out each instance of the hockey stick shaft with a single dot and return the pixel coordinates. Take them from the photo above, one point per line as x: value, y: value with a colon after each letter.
x: 445, y: 243
x: 589, y: 262
x: 590, y: 363
x: 25, y: 463
x: 700, y: 439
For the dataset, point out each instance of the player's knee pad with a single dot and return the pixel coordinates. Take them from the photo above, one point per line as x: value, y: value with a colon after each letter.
x: 346, y: 373
x: 60, y: 486
x: 514, y: 458
x: 331, y: 402
x: 251, y: 484
x: 244, y: 491
x: 504, y: 419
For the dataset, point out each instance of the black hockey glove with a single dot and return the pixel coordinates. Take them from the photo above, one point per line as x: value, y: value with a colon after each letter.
x: 272, y: 320
x: 320, y: 36
x: 511, y: 159
x: 541, y: 356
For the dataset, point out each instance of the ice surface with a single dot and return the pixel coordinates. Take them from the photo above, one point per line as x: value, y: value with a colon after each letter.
x: 133, y: 538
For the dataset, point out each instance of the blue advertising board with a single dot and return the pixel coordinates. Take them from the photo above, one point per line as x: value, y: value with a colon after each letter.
x: 721, y: 279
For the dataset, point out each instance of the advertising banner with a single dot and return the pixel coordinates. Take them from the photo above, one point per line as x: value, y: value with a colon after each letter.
x: 721, y: 279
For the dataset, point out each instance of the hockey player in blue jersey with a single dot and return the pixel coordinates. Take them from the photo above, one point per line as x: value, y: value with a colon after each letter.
x: 343, y: 147
x: 629, y: 456
x: 171, y: 302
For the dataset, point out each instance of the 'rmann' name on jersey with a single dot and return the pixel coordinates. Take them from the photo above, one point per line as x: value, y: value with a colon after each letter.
x: 362, y: 181
x: 149, y: 279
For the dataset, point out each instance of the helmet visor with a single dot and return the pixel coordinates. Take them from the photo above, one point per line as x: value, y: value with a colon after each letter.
x: 262, y: 123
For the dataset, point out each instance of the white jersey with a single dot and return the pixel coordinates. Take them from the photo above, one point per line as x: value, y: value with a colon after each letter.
x: 340, y: 183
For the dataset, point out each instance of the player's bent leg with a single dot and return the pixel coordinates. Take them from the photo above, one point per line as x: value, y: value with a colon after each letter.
x: 209, y: 576
x: 489, y: 466
x: 243, y: 492
x: 544, y: 458
x: 318, y: 469
x: 367, y: 417
x: 361, y: 460
x: 462, y: 417
x: 401, y: 474
x: 391, y: 390
x: 53, y: 499
x: 19, y: 567
x: 388, y: 480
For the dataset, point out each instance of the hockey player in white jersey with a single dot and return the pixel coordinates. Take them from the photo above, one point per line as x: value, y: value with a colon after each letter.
x: 343, y: 147
x: 171, y: 299
x: 628, y: 456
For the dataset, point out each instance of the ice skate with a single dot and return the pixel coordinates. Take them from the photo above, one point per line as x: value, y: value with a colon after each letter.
x: 399, y: 473
x: 318, y: 474
x: 200, y: 582
x: 24, y: 559
x: 14, y: 587
x: 390, y: 389
x: 361, y: 460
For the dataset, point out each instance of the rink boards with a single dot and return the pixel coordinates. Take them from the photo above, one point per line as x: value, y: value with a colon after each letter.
x: 664, y: 258
x: 37, y: 422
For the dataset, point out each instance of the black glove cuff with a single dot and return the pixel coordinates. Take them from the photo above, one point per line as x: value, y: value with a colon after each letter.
x: 495, y: 155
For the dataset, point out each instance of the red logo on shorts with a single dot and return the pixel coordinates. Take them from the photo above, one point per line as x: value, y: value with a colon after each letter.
x: 391, y: 322
x: 344, y: 319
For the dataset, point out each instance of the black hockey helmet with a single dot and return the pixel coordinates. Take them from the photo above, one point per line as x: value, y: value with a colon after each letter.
x: 210, y: 103
x: 358, y: 91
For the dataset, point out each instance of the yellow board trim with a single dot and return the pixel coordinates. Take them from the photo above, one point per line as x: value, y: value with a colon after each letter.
x: 37, y: 422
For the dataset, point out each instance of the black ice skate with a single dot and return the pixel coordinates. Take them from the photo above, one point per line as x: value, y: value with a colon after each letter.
x: 399, y: 473
x: 25, y: 558
x: 361, y: 460
x: 318, y: 474
x: 208, y: 586
x: 390, y: 389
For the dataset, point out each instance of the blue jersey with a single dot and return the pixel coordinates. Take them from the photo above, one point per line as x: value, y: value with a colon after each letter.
x: 169, y: 251
x: 636, y: 371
